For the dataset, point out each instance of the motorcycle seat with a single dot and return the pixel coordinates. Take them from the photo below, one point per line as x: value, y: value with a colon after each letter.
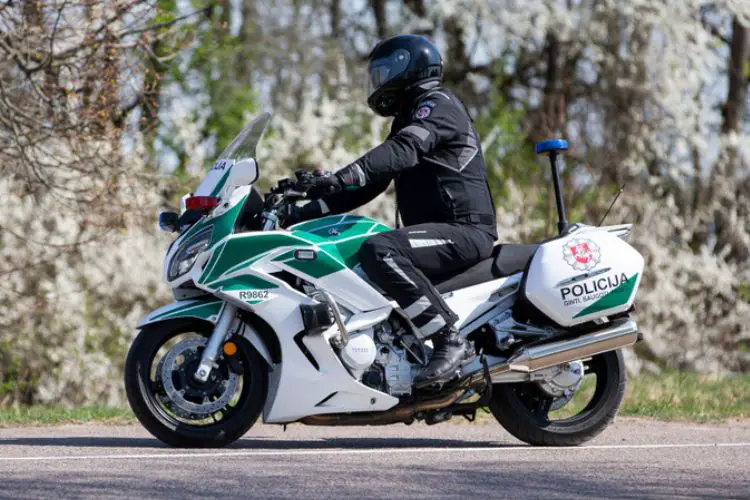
x: 506, y: 259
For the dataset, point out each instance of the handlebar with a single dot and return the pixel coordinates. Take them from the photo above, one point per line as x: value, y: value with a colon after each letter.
x: 285, y: 192
x: 293, y: 188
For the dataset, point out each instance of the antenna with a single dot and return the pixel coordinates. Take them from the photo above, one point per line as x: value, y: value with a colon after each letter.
x: 619, y: 192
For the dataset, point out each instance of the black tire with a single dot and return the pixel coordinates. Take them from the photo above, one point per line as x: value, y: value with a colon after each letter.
x: 175, y: 432
x: 511, y: 407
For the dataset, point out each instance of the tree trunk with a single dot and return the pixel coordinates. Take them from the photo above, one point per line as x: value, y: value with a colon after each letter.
x: 335, y: 18
x: 729, y: 226
x: 739, y: 59
x: 381, y: 22
x: 549, y: 119
x: 417, y: 7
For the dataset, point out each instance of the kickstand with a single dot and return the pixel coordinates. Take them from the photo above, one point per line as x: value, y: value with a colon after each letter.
x: 487, y: 396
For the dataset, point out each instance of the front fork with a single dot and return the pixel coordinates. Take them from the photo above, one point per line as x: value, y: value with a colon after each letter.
x: 211, y: 351
x: 226, y: 317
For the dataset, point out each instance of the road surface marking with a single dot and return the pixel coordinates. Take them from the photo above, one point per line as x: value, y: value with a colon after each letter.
x: 385, y: 451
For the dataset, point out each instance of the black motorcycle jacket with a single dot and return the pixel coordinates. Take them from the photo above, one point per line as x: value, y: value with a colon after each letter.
x: 434, y: 155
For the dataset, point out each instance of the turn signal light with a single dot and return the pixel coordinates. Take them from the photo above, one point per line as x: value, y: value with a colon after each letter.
x: 230, y: 349
x: 201, y: 202
x: 305, y: 254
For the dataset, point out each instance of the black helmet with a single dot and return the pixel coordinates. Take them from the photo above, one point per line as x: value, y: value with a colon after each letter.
x: 397, y: 66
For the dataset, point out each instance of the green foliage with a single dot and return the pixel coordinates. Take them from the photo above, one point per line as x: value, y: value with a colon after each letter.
x: 507, y: 150
x: 213, y: 73
x: 230, y: 97
x: 15, y: 380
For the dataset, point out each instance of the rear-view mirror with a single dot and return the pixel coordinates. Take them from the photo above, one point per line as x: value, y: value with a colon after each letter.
x: 168, y: 221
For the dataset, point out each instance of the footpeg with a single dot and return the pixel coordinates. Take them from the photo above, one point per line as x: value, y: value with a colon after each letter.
x: 436, y: 418
x: 439, y: 383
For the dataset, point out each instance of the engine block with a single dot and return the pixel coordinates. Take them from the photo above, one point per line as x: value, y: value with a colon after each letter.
x: 394, y: 368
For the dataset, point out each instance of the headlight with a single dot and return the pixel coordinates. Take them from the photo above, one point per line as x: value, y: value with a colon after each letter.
x: 186, y: 255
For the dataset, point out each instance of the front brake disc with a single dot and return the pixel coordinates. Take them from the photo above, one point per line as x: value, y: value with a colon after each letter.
x: 175, y: 365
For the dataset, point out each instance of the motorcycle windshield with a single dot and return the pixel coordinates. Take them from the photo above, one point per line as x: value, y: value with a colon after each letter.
x: 244, y: 144
x: 236, y: 166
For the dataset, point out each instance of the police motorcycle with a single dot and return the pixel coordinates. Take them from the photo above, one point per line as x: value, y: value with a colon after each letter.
x: 284, y: 323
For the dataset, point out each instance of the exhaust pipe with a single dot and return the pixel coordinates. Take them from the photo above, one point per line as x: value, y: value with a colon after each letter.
x: 622, y: 333
x: 400, y: 413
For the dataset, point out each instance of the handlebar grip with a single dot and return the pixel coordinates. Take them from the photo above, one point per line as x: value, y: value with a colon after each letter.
x: 302, y: 175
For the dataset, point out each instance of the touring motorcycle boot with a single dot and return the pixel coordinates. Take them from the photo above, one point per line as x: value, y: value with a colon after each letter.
x: 450, y: 353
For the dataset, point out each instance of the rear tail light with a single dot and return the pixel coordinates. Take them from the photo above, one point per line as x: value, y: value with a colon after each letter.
x: 201, y: 202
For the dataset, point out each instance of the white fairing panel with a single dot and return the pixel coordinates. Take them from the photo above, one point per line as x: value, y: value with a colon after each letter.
x: 470, y: 303
x: 226, y: 175
x: 584, y: 276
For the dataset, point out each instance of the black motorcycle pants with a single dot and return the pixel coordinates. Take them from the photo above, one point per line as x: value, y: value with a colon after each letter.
x: 401, y: 262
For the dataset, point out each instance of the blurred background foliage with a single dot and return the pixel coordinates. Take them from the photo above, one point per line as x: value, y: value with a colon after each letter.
x: 111, y: 110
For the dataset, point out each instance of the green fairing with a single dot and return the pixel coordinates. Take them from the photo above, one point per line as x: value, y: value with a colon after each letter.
x: 244, y: 282
x: 348, y: 250
x: 214, y: 257
x: 284, y: 256
x: 243, y: 247
x: 242, y: 264
x: 338, y: 239
x: 220, y: 184
x: 340, y: 236
x: 616, y: 297
x: 192, y: 310
x: 223, y: 224
x: 323, y: 265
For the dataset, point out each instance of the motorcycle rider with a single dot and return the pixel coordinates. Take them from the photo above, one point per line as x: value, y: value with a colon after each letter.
x: 434, y: 156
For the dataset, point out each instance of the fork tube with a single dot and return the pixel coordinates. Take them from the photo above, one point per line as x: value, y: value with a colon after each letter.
x: 270, y: 218
x: 211, y: 352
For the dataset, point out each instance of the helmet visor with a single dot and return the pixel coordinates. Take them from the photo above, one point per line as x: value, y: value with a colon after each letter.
x: 385, y: 69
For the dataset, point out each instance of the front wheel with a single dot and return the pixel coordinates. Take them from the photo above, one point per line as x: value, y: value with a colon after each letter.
x: 528, y: 412
x: 176, y: 408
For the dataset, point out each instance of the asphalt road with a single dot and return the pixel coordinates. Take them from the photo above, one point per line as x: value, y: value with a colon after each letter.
x: 632, y: 459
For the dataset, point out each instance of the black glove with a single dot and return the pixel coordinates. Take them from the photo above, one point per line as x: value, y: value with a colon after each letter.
x: 318, y: 184
x: 321, y: 183
x: 292, y: 214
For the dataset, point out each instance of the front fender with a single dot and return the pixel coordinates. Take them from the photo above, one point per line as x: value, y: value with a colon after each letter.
x: 206, y: 310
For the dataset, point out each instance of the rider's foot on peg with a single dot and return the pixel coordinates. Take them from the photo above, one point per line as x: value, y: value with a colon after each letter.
x: 451, y: 352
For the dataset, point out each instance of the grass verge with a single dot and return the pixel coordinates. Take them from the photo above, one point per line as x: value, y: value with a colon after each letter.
x: 44, y: 415
x: 688, y: 396
x: 674, y: 396
x: 669, y: 396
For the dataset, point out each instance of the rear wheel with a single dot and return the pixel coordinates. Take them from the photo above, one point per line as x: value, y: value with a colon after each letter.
x: 176, y: 408
x: 532, y: 415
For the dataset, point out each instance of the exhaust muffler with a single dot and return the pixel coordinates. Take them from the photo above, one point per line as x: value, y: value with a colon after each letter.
x: 622, y: 333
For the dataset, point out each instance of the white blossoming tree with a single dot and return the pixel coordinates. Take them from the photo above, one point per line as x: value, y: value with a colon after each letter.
x: 111, y: 110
